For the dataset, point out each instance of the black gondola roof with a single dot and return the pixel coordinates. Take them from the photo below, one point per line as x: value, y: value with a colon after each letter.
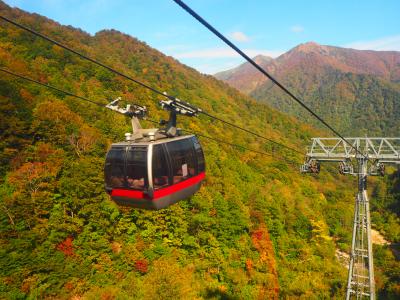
x: 147, y: 141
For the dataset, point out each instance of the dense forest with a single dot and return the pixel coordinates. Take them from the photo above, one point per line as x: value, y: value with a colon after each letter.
x: 257, y: 229
x: 360, y: 104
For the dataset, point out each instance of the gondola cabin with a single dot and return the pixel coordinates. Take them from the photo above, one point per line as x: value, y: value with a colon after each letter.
x: 154, y: 168
x: 154, y: 174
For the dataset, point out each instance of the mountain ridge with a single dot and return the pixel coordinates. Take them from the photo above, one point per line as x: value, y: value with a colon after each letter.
x: 309, y: 68
x: 247, y: 80
x: 380, y: 63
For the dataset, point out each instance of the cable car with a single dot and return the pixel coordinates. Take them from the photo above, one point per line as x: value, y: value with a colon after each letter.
x: 154, y: 168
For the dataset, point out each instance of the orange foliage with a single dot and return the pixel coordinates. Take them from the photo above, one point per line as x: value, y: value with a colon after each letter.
x: 34, y: 176
x: 26, y: 287
x: 108, y: 295
x: 57, y: 123
x: 262, y: 242
x: 52, y: 118
x: 30, y: 176
x: 249, y: 265
x: 69, y: 286
x: 116, y: 247
x: 87, y: 138
x: 222, y: 288
x: 26, y: 95
x: 140, y: 244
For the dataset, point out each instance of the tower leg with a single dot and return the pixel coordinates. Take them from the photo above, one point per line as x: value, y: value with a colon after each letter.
x: 361, y: 284
x: 370, y: 254
x: 352, y: 254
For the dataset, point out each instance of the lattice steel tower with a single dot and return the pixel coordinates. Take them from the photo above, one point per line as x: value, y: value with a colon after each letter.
x: 370, y: 155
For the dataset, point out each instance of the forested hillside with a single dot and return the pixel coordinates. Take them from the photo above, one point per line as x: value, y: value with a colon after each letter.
x: 257, y: 229
x: 358, y: 91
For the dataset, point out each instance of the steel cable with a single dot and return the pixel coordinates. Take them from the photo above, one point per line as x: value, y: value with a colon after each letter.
x: 137, y: 81
x: 149, y: 120
x: 259, y: 68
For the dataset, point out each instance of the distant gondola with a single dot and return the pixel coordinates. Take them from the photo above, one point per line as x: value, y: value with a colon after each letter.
x: 154, y: 168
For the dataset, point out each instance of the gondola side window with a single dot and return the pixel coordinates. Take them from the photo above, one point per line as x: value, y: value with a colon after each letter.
x: 182, y: 160
x: 136, y: 168
x: 160, y: 168
x: 114, y: 168
x: 199, y: 155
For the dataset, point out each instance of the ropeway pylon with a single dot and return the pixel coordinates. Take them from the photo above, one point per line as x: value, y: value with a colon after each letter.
x: 371, y: 155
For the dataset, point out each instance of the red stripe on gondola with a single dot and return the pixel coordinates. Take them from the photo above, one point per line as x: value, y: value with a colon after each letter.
x: 179, y: 186
x: 162, y: 192
x: 127, y: 193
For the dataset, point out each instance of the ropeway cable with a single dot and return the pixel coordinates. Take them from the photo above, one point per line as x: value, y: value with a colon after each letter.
x: 138, y: 82
x: 259, y: 68
x: 149, y: 120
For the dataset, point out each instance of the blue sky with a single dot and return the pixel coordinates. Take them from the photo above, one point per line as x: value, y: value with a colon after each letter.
x: 256, y: 26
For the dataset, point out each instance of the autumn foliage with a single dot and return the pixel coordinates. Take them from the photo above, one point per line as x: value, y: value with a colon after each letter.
x: 66, y: 246
x: 262, y: 242
x: 142, y: 266
x: 61, y: 237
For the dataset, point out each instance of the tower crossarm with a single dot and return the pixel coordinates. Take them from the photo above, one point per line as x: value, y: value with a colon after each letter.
x: 386, y: 150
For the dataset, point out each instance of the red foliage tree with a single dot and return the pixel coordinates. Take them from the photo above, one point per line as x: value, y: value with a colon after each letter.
x: 66, y: 246
x: 142, y: 266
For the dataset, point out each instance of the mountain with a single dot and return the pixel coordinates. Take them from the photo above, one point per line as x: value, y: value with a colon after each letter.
x: 257, y: 229
x: 243, y: 77
x: 356, y: 90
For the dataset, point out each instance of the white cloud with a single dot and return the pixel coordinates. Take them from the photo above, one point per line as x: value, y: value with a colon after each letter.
x: 389, y: 43
x: 297, y: 28
x: 239, y: 36
x: 225, y: 53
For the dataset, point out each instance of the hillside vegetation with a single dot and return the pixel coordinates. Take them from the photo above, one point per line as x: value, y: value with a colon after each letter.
x: 257, y: 229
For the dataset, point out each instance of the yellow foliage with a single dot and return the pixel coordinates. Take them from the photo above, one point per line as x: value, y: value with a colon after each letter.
x: 167, y: 280
x: 320, y: 231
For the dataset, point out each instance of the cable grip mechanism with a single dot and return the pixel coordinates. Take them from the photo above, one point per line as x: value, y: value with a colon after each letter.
x: 175, y: 107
